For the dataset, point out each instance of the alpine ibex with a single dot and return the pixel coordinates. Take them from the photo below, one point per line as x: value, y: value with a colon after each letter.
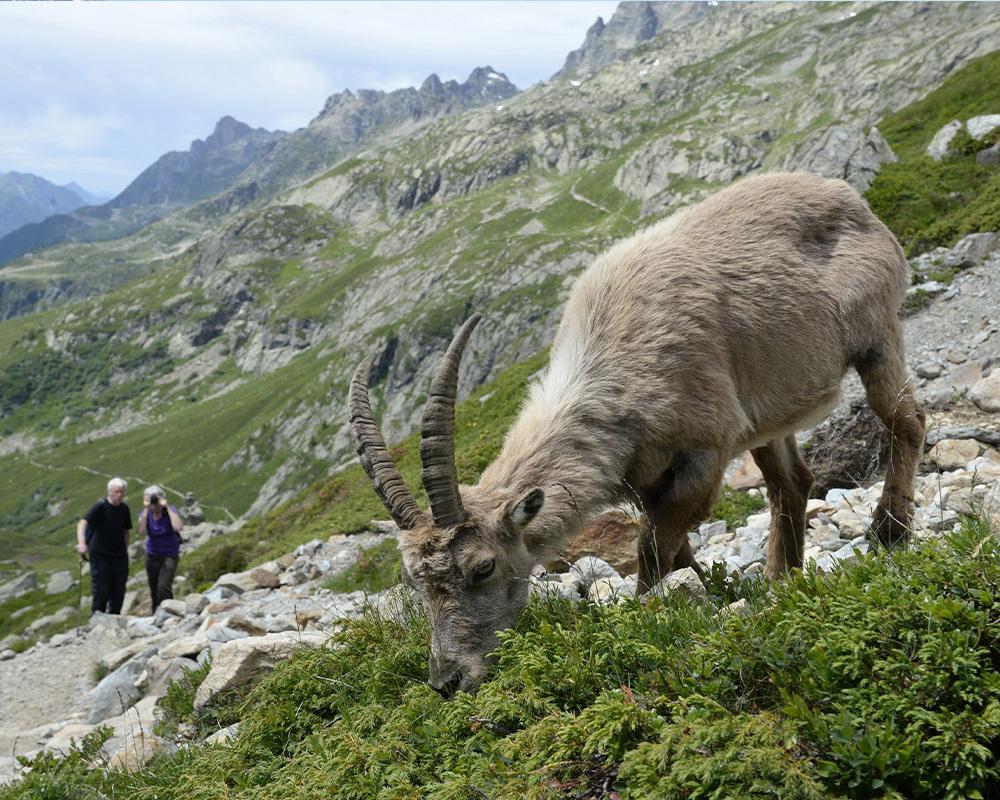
x: 725, y: 327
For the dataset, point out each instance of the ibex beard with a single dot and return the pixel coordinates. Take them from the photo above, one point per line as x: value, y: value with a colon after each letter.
x: 725, y: 327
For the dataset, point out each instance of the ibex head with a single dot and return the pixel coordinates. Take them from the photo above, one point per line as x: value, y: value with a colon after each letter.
x: 466, y: 558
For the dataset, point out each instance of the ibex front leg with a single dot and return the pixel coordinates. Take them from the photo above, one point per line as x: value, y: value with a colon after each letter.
x: 788, y: 482
x: 681, y: 499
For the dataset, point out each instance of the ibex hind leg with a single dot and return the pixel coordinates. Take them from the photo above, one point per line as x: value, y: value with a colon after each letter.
x: 788, y: 482
x: 890, y: 394
x: 681, y: 499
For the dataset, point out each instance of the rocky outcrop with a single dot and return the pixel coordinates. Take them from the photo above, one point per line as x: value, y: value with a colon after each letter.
x: 978, y: 128
x: 632, y: 24
x: 844, y: 152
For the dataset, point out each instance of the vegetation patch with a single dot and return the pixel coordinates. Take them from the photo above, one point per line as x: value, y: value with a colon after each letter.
x: 878, y: 680
x: 929, y: 203
x: 377, y: 568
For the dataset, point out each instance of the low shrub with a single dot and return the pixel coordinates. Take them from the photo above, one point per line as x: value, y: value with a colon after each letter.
x: 878, y: 680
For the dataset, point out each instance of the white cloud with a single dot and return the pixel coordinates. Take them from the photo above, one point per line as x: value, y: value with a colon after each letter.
x: 100, y: 90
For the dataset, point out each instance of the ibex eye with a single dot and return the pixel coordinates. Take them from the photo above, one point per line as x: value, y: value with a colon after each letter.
x: 484, y: 569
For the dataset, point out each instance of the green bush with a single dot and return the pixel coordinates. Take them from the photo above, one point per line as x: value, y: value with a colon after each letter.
x: 176, y: 706
x: 879, y: 680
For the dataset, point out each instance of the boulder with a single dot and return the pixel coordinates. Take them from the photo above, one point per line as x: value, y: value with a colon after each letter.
x: 137, y: 750
x: 682, y: 581
x: 177, y: 608
x: 236, y: 582
x: 224, y: 735
x: 986, y: 392
x: 938, y: 148
x: 979, y: 127
x: 613, y: 536
x: 239, y: 662
x: 265, y: 578
x: 59, y: 582
x: 590, y: 568
x: 119, y: 690
x: 611, y: 590
x: 113, y: 660
x: 185, y: 647
x: 18, y: 586
x: 953, y: 453
x: 195, y: 602
x: 162, y: 678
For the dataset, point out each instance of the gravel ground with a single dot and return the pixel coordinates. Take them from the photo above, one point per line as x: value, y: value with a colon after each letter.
x: 46, y: 685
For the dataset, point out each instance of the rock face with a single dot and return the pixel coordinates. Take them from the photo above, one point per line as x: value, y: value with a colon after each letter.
x: 847, y: 153
x: 632, y: 24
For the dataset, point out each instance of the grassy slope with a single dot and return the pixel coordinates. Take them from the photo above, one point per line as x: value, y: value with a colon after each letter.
x: 877, y: 681
x: 928, y: 203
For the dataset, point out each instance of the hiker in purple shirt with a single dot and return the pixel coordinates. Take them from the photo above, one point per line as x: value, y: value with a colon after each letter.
x: 161, y: 525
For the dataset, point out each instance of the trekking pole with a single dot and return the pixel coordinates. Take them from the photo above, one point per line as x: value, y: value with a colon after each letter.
x: 79, y: 598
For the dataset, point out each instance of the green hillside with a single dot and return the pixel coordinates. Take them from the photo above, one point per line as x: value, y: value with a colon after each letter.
x: 928, y: 203
x: 876, y: 681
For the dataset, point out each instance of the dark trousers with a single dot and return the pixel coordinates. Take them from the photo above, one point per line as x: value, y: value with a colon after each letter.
x: 160, y: 571
x: 107, y: 582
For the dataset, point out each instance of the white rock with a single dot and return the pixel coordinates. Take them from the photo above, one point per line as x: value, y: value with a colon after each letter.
x: 979, y: 126
x: 938, y: 148
x: 761, y: 521
x: 238, y: 662
x: 195, y: 602
x: 142, y: 627
x: 177, y: 608
x: 590, y: 568
x: 608, y: 590
x: 986, y: 392
x: 953, y: 453
x: 684, y: 581
x: 740, y: 608
x: 224, y: 735
x: 547, y: 590
x: 60, y: 582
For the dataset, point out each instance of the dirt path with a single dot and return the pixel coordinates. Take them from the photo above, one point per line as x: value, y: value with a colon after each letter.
x: 47, y: 685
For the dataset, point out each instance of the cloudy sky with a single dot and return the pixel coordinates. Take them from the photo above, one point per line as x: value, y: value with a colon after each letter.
x: 95, y: 92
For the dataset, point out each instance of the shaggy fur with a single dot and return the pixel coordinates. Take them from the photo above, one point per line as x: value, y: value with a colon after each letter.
x: 725, y: 327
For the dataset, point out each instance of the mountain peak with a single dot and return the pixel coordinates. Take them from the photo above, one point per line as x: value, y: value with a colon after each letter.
x: 228, y: 130
x: 632, y: 24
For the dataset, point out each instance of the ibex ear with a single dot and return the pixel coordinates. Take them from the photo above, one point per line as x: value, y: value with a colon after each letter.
x: 525, y: 509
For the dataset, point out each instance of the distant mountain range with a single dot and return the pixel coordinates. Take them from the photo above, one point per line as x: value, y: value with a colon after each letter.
x: 28, y: 198
x: 238, y: 165
x: 175, y: 180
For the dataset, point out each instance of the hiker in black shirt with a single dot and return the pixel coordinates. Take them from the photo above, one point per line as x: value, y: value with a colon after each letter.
x: 103, y: 532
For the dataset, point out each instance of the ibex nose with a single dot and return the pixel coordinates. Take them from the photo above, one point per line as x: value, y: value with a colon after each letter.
x: 447, y: 686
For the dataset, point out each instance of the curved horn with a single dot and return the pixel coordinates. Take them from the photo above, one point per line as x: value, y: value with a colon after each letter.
x: 437, y: 434
x: 374, y: 455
